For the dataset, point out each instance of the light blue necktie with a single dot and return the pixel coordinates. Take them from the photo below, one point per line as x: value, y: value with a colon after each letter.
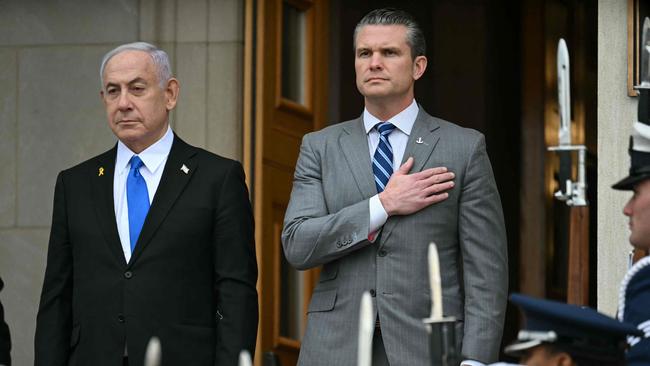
x: 137, y: 198
x: 382, y: 161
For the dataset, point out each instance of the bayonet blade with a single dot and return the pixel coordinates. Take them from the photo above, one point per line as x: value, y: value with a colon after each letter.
x: 564, y: 93
x: 564, y: 107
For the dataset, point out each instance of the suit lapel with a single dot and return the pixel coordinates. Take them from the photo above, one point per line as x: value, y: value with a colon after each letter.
x: 102, y: 187
x: 422, y: 141
x: 354, y: 144
x: 171, y: 185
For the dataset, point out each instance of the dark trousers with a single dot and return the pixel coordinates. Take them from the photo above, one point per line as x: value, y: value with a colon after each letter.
x: 379, y: 357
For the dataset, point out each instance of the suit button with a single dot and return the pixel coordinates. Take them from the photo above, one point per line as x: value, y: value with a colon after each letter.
x: 372, y: 292
x: 128, y: 274
x: 382, y: 253
x: 120, y: 318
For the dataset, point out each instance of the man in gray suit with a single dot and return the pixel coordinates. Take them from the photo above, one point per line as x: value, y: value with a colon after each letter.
x: 371, y: 233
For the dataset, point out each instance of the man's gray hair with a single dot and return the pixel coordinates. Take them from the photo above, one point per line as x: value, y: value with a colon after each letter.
x: 159, y: 57
x: 390, y: 16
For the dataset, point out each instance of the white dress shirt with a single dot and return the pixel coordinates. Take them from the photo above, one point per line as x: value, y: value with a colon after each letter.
x: 403, y: 122
x: 154, y: 158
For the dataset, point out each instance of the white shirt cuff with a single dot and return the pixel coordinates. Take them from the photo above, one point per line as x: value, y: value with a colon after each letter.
x: 471, y: 363
x: 378, y: 217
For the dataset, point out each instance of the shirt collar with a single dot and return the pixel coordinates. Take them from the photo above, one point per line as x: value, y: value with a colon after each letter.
x: 152, y: 157
x: 404, y: 120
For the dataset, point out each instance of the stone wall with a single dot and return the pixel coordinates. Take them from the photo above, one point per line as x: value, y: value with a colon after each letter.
x: 616, y: 113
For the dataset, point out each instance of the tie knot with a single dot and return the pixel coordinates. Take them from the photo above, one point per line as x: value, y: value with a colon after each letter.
x: 385, y: 128
x: 136, y: 163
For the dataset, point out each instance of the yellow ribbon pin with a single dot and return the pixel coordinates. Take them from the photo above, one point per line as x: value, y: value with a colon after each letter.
x: 101, y: 171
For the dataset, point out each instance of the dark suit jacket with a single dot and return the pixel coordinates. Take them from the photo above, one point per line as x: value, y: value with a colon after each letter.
x: 190, y: 281
x: 5, y: 340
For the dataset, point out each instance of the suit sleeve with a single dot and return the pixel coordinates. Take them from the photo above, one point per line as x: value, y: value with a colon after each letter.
x: 5, y: 339
x: 54, y: 320
x: 483, y: 244
x: 235, y: 270
x: 313, y: 236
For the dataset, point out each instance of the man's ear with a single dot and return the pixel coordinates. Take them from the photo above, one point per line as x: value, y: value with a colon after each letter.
x: 563, y: 359
x: 171, y: 93
x: 419, y: 65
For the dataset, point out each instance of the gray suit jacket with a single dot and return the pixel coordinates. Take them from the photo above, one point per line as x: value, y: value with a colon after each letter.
x: 327, y: 221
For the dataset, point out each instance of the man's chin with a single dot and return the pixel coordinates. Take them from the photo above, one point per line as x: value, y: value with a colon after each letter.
x: 375, y: 93
x: 128, y: 134
x: 640, y: 244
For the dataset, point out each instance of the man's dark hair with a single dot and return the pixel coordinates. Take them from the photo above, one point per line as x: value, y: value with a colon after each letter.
x: 390, y: 16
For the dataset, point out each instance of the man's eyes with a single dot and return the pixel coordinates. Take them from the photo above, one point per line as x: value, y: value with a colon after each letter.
x: 384, y: 52
x: 135, y: 89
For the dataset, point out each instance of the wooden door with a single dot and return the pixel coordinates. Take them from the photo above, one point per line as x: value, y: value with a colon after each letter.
x: 286, y: 92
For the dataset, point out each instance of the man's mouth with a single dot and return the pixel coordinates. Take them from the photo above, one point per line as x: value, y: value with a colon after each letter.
x: 369, y: 80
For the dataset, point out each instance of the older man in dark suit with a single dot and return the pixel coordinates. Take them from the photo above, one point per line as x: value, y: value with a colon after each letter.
x: 151, y: 238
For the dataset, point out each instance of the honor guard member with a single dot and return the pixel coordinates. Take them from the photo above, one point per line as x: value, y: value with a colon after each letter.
x: 634, y: 298
x: 558, y: 334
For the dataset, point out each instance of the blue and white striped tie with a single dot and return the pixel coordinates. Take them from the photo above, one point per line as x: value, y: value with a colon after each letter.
x: 382, y: 161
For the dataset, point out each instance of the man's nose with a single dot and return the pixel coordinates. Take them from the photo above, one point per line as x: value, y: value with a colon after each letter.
x: 627, y: 209
x: 123, y: 101
x: 376, y: 61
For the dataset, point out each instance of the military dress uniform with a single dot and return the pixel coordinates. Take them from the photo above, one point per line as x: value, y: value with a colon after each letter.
x: 581, y: 332
x: 634, y: 297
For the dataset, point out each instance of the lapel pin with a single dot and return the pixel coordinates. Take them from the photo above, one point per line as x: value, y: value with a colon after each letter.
x: 185, y: 169
x: 419, y: 141
x: 101, y: 171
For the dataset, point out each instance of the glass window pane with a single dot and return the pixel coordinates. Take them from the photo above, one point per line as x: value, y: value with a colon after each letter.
x: 293, y: 53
